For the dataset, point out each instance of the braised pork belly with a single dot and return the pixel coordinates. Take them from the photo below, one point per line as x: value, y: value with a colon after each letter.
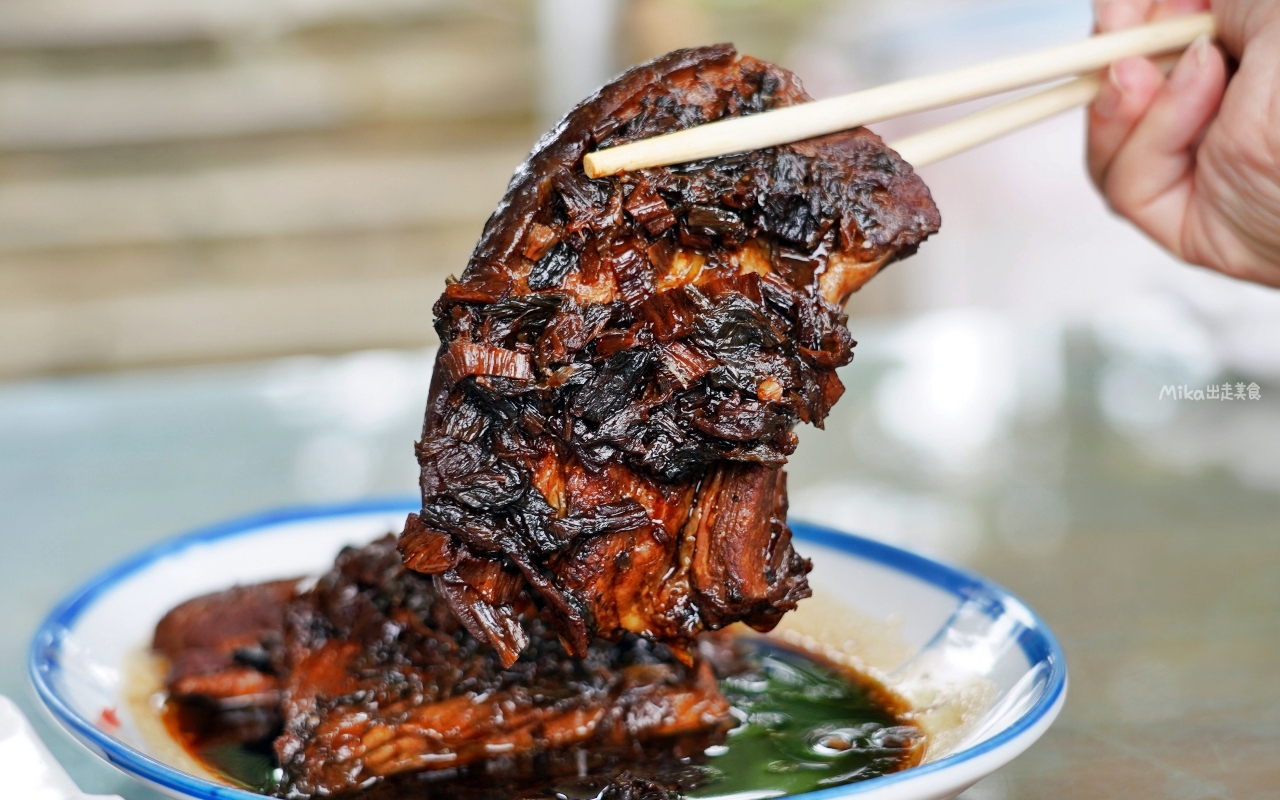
x: 624, y: 361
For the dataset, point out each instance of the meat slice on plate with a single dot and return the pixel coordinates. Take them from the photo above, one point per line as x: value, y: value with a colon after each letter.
x: 220, y: 649
x: 373, y: 677
x: 624, y: 361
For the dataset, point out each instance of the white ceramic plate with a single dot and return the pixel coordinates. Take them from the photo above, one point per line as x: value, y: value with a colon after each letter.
x: 986, y: 673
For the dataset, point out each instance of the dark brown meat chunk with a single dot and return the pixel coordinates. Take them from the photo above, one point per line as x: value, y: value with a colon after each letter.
x: 219, y: 645
x: 375, y: 678
x: 220, y: 649
x: 624, y: 360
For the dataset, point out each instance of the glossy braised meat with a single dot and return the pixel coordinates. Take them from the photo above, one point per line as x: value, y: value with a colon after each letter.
x: 624, y: 360
x: 372, y: 676
x: 220, y: 649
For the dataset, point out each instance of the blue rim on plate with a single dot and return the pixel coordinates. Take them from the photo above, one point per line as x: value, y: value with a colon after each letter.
x: 1036, y: 640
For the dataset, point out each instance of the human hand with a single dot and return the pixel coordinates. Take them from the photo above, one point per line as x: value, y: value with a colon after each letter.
x: 1192, y: 160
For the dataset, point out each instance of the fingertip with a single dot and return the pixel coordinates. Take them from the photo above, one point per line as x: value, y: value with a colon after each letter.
x: 1201, y: 64
x: 1110, y: 96
x: 1164, y: 9
x: 1137, y: 76
x: 1114, y: 15
x: 1128, y: 89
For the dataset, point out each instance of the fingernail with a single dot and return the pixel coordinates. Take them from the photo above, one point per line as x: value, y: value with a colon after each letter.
x: 1201, y: 49
x: 1111, y: 96
x: 1192, y: 61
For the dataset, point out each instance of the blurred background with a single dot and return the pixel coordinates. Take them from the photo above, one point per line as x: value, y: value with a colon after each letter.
x: 223, y: 224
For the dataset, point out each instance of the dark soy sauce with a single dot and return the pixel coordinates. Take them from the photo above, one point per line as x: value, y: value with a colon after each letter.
x: 804, y: 725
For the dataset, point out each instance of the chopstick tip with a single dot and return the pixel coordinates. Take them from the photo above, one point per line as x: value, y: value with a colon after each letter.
x: 591, y: 164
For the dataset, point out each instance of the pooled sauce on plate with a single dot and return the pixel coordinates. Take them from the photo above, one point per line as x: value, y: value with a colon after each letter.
x: 804, y: 724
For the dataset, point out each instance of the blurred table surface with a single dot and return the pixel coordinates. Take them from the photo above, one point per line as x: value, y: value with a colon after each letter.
x: 1146, y: 530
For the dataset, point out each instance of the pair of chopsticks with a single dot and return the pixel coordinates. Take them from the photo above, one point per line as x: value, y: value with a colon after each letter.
x: 794, y: 123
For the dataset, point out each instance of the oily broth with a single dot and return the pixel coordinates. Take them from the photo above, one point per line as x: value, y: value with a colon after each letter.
x: 805, y: 723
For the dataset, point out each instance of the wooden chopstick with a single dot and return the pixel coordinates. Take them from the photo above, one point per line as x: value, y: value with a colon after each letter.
x: 968, y: 132
x: 979, y: 128
x: 794, y: 123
